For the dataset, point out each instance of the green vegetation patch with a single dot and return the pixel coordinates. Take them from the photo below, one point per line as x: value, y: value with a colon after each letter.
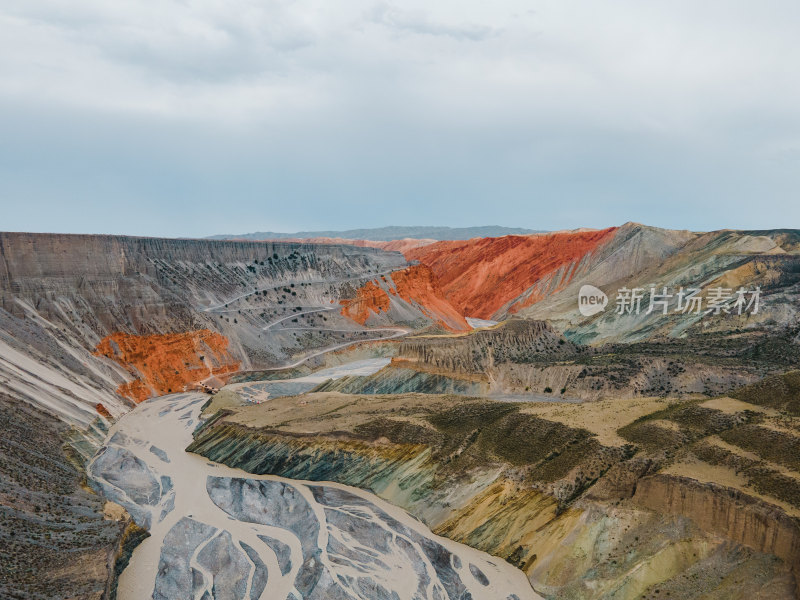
x: 759, y: 476
x: 466, y: 417
x: 653, y: 437
x: 563, y: 460
x: 522, y: 439
x: 399, y: 432
x: 781, y: 392
x: 482, y: 433
x: 775, y: 446
x: 694, y: 423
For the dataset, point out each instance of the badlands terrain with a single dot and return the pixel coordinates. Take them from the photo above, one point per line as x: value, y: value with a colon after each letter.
x: 399, y: 413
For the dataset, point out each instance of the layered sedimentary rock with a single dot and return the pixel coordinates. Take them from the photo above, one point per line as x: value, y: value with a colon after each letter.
x: 524, y: 356
x: 540, y: 276
x: 165, y: 363
x: 583, y: 515
x: 416, y: 287
x: 726, y: 512
x: 652, y: 259
x: 485, y: 276
x: 586, y: 509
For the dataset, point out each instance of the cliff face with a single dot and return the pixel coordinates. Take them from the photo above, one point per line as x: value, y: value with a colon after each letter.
x: 84, y: 317
x: 484, y: 276
x: 414, y: 286
x: 166, y: 363
x: 521, y: 355
x: 725, y: 512
x: 141, y: 284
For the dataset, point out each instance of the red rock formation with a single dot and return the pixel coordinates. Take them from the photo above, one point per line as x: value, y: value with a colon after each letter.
x: 165, y: 363
x: 482, y: 275
x: 370, y: 298
x: 416, y: 285
x: 102, y: 411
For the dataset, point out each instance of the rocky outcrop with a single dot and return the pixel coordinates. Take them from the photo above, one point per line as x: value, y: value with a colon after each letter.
x: 483, y: 276
x: 166, y: 363
x: 522, y: 355
x: 725, y: 512
x: 415, y: 286
x: 55, y: 540
x: 370, y: 298
x: 516, y: 340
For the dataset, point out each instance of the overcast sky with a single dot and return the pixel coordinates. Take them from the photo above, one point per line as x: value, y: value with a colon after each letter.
x: 178, y: 118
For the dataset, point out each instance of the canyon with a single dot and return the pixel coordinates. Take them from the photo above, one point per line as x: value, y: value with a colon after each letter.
x: 447, y: 394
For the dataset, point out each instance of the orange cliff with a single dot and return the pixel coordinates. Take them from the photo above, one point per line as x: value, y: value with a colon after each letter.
x: 482, y: 275
x: 416, y: 285
x: 165, y: 363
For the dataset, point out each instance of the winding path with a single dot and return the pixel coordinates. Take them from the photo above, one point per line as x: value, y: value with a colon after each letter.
x: 365, y: 276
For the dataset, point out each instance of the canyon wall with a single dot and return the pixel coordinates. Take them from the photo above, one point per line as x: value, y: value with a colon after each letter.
x: 392, y: 294
x: 523, y: 355
x: 483, y: 277
x: 83, y: 317
x: 725, y: 512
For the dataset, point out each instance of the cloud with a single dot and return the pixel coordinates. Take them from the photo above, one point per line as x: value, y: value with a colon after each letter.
x: 419, y: 22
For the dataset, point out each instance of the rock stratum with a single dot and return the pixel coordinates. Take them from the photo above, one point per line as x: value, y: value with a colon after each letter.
x: 485, y: 276
x: 643, y: 455
x: 415, y: 287
x: 167, y: 362
x: 616, y: 499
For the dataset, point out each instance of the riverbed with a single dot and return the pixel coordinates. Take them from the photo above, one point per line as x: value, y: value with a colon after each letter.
x: 217, y: 532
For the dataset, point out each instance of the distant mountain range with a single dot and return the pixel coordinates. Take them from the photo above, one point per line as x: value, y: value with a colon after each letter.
x: 385, y: 234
